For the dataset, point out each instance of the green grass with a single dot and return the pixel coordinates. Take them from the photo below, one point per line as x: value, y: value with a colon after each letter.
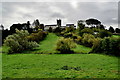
x: 116, y: 36
x: 49, y: 66
x: 49, y: 44
x: 82, y: 49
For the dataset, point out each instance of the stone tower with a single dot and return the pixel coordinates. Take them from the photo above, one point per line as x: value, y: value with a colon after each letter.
x: 59, y: 22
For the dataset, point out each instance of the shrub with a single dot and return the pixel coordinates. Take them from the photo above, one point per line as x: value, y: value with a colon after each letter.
x: 68, y: 35
x: 96, y: 45
x: 88, y: 40
x: 104, y: 33
x: 111, y: 46
x: 64, y: 45
x: 69, y: 29
x: 50, y: 29
x: 19, y: 42
x: 57, y: 30
x: 108, y: 45
x: 86, y: 30
x: 77, y: 39
x: 37, y: 36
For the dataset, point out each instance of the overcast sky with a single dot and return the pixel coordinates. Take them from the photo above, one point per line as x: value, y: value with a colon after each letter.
x: 48, y: 12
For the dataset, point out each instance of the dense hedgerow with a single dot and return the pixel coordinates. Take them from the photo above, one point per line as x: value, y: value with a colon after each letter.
x: 64, y: 45
x: 37, y: 36
x: 104, y: 33
x: 108, y: 45
x: 19, y: 42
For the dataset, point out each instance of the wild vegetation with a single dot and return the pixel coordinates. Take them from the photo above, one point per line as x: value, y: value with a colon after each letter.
x: 83, y: 52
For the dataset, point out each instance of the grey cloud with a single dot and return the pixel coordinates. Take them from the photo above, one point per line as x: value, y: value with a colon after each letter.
x: 57, y: 15
x: 47, y: 12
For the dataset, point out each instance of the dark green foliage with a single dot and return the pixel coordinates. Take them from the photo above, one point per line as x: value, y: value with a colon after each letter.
x: 104, y: 33
x: 38, y: 36
x: 86, y: 30
x: 92, y: 21
x: 50, y: 29
x: 64, y: 45
x: 88, y: 40
x: 68, y: 35
x: 42, y: 26
x: 97, y: 45
x: 80, y: 25
x: 102, y: 26
x: 69, y: 29
x: 19, y: 42
x: 57, y: 30
x: 111, y: 29
x: 109, y: 46
x: 117, y: 30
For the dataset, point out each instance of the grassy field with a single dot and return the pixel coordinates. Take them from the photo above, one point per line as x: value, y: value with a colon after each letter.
x: 116, y: 36
x: 29, y: 65
x: 50, y: 66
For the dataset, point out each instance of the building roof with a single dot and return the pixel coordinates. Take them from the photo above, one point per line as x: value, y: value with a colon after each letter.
x: 51, y: 25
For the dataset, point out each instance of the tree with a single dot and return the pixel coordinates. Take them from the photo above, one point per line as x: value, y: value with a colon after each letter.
x: 2, y: 27
x: 104, y: 33
x: 92, y: 22
x: 102, y: 26
x: 117, y: 30
x: 50, y: 29
x: 80, y: 25
x: 111, y: 29
x: 42, y: 26
x: 86, y: 30
x: 36, y: 24
x: 18, y: 42
x: 69, y: 29
x: 57, y: 30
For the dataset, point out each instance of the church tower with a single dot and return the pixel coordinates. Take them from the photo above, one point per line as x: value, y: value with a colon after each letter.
x: 59, y: 22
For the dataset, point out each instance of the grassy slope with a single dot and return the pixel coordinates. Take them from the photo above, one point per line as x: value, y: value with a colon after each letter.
x: 48, y: 45
x: 49, y: 66
x: 46, y: 66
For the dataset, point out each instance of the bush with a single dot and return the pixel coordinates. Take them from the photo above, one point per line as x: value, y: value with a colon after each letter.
x: 69, y: 29
x: 57, y: 30
x: 37, y: 36
x: 104, y: 33
x: 108, y: 45
x: 77, y: 39
x: 50, y: 29
x: 111, y: 46
x: 96, y: 45
x: 86, y: 30
x: 68, y: 35
x: 64, y: 45
x: 88, y: 40
x: 19, y: 42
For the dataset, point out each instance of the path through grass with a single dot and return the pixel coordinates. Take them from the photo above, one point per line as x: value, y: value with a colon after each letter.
x: 48, y: 45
